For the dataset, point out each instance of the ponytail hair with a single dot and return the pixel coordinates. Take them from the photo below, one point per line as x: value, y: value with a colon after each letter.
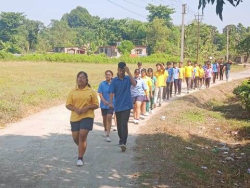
x: 85, y: 75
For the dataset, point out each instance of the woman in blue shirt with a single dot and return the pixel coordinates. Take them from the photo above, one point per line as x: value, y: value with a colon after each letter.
x: 107, y: 112
x: 137, y: 94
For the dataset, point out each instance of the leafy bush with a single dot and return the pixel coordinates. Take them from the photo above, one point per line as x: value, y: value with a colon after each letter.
x: 100, y: 58
x: 243, y: 92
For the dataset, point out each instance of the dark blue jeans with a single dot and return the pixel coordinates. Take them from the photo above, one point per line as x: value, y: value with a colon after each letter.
x: 122, y: 125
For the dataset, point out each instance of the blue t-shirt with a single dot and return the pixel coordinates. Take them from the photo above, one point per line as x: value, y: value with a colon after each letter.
x: 176, y: 73
x: 139, y: 89
x: 104, y: 90
x: 215, y: 67
x: 170, y: 74
x: 227, y: 66
x: 121, y: 89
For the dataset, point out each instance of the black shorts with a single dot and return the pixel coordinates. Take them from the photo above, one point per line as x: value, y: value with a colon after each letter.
x: 107, y: 111
x: 86, y: 123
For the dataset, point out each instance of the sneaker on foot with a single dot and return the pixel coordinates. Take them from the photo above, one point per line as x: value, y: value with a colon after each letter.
x: 152, y: 111
x: 108, y: 139
x: 79, y: 162
x: 146, y: 114
x: 123, y: 148
x: 134, y: 121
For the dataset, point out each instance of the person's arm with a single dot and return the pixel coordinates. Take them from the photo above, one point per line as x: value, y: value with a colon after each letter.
x: 133, y: 82
x: 74, y: 109
x: 111, y: 96
x: 163, y: 67
x: 94, y: 103
x: 103, y: 100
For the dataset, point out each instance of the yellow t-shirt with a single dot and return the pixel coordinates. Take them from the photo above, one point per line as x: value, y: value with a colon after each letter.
x: 181, y: 72
x: 80, y: 98
x: 161, y: 78
x: 201, y: 72
x: 197, y: 71
x: 148, y: 82
x: 189, y: 71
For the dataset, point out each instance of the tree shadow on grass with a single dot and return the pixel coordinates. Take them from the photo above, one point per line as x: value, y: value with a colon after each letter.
x: 164, y: 161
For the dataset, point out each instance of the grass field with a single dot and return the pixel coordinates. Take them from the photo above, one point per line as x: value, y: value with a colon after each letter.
x: 28, y: 87
x: 186, y: 150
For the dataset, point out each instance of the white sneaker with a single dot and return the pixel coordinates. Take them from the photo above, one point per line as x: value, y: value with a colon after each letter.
x: 79, y: 162
x: 152, y: 111
x: 135, y: 121
x: 108, y: 139
x: 146, y: 114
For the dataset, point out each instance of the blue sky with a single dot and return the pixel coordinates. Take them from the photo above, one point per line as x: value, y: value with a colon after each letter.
x: 45, y: 10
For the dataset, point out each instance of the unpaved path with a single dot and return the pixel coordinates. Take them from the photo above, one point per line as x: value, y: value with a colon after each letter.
x: 39, y: 152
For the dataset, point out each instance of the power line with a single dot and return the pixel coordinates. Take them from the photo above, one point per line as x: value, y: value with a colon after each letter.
x: 126, y: 9
x: 134, y: 4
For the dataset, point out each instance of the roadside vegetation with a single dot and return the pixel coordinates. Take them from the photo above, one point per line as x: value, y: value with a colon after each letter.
x: 204, y: 142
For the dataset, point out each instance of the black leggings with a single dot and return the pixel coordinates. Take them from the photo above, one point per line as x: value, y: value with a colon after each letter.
x: 208, y: 80
x: 122, y: 125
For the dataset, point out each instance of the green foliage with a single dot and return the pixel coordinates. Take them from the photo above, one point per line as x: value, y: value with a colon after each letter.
x: 243, y: 47
x: 243, y: 92
x: 126, y: 47
x: 160, y: 12
x: 219, y: 5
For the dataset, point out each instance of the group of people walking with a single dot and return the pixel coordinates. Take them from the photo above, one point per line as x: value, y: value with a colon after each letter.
x: 141, y: 92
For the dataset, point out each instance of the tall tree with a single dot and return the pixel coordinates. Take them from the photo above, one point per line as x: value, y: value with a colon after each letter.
x: 160, y: 12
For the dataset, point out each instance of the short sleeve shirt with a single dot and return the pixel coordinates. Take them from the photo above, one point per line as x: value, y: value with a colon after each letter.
x: 170, y: 75
x: 121, y: 88
x: 80, y: 98
x: 176, y: 73
x: 104, y: 90
x: 161, y: 77
x: 139, y: 89
x: 189, y: 71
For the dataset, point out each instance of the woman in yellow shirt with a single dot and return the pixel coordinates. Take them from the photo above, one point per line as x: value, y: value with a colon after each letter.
x: 201, y: 75
x: 82, y: 101
x: 189, y: 75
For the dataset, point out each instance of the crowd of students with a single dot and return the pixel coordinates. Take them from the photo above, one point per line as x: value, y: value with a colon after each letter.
x: 141, y: 92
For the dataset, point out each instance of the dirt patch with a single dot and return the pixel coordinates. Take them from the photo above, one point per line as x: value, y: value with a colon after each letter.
x: 204, y: 142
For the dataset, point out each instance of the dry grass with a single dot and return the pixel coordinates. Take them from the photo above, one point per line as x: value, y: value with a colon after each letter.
x: 202, y: 121
x: 27, y: 87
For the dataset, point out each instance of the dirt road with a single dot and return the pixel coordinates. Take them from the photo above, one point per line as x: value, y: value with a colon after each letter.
x: 39, y: 152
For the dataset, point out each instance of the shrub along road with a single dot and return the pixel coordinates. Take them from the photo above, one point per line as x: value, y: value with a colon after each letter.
x: 39, y: 152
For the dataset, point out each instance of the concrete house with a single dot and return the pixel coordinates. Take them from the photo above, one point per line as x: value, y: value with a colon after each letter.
x: 70, y: 50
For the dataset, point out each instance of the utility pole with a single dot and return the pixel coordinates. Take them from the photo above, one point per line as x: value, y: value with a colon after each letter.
x: 183, y: 31
x: 199, y: 19
x: 227, y: 43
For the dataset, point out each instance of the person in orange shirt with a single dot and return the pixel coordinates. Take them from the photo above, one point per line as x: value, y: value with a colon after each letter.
x: 189, y: 75
x: 82, y: 101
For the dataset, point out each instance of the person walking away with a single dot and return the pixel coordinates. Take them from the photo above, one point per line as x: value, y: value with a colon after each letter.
x: 82, y: 101
x: 188, y: 75
x: 196, y: 76
x: 228, y: 68
x: 107, y: 112
x: 137, y: 94
x: 208, y: 75
x: 148, y: 92
x: 161, y: 75
x: 181, y: 77
x: 215, y: 71
x: 221, y: 68
x: 176, y: 74
x: 170, y: 80
x: 139, y: 64
x: 120, y: 87
x: 201, y: 76
x: 154, y: 84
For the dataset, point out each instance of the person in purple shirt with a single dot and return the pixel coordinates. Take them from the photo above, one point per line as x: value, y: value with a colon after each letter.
x: 176, y: 73
x: 170, y: 80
